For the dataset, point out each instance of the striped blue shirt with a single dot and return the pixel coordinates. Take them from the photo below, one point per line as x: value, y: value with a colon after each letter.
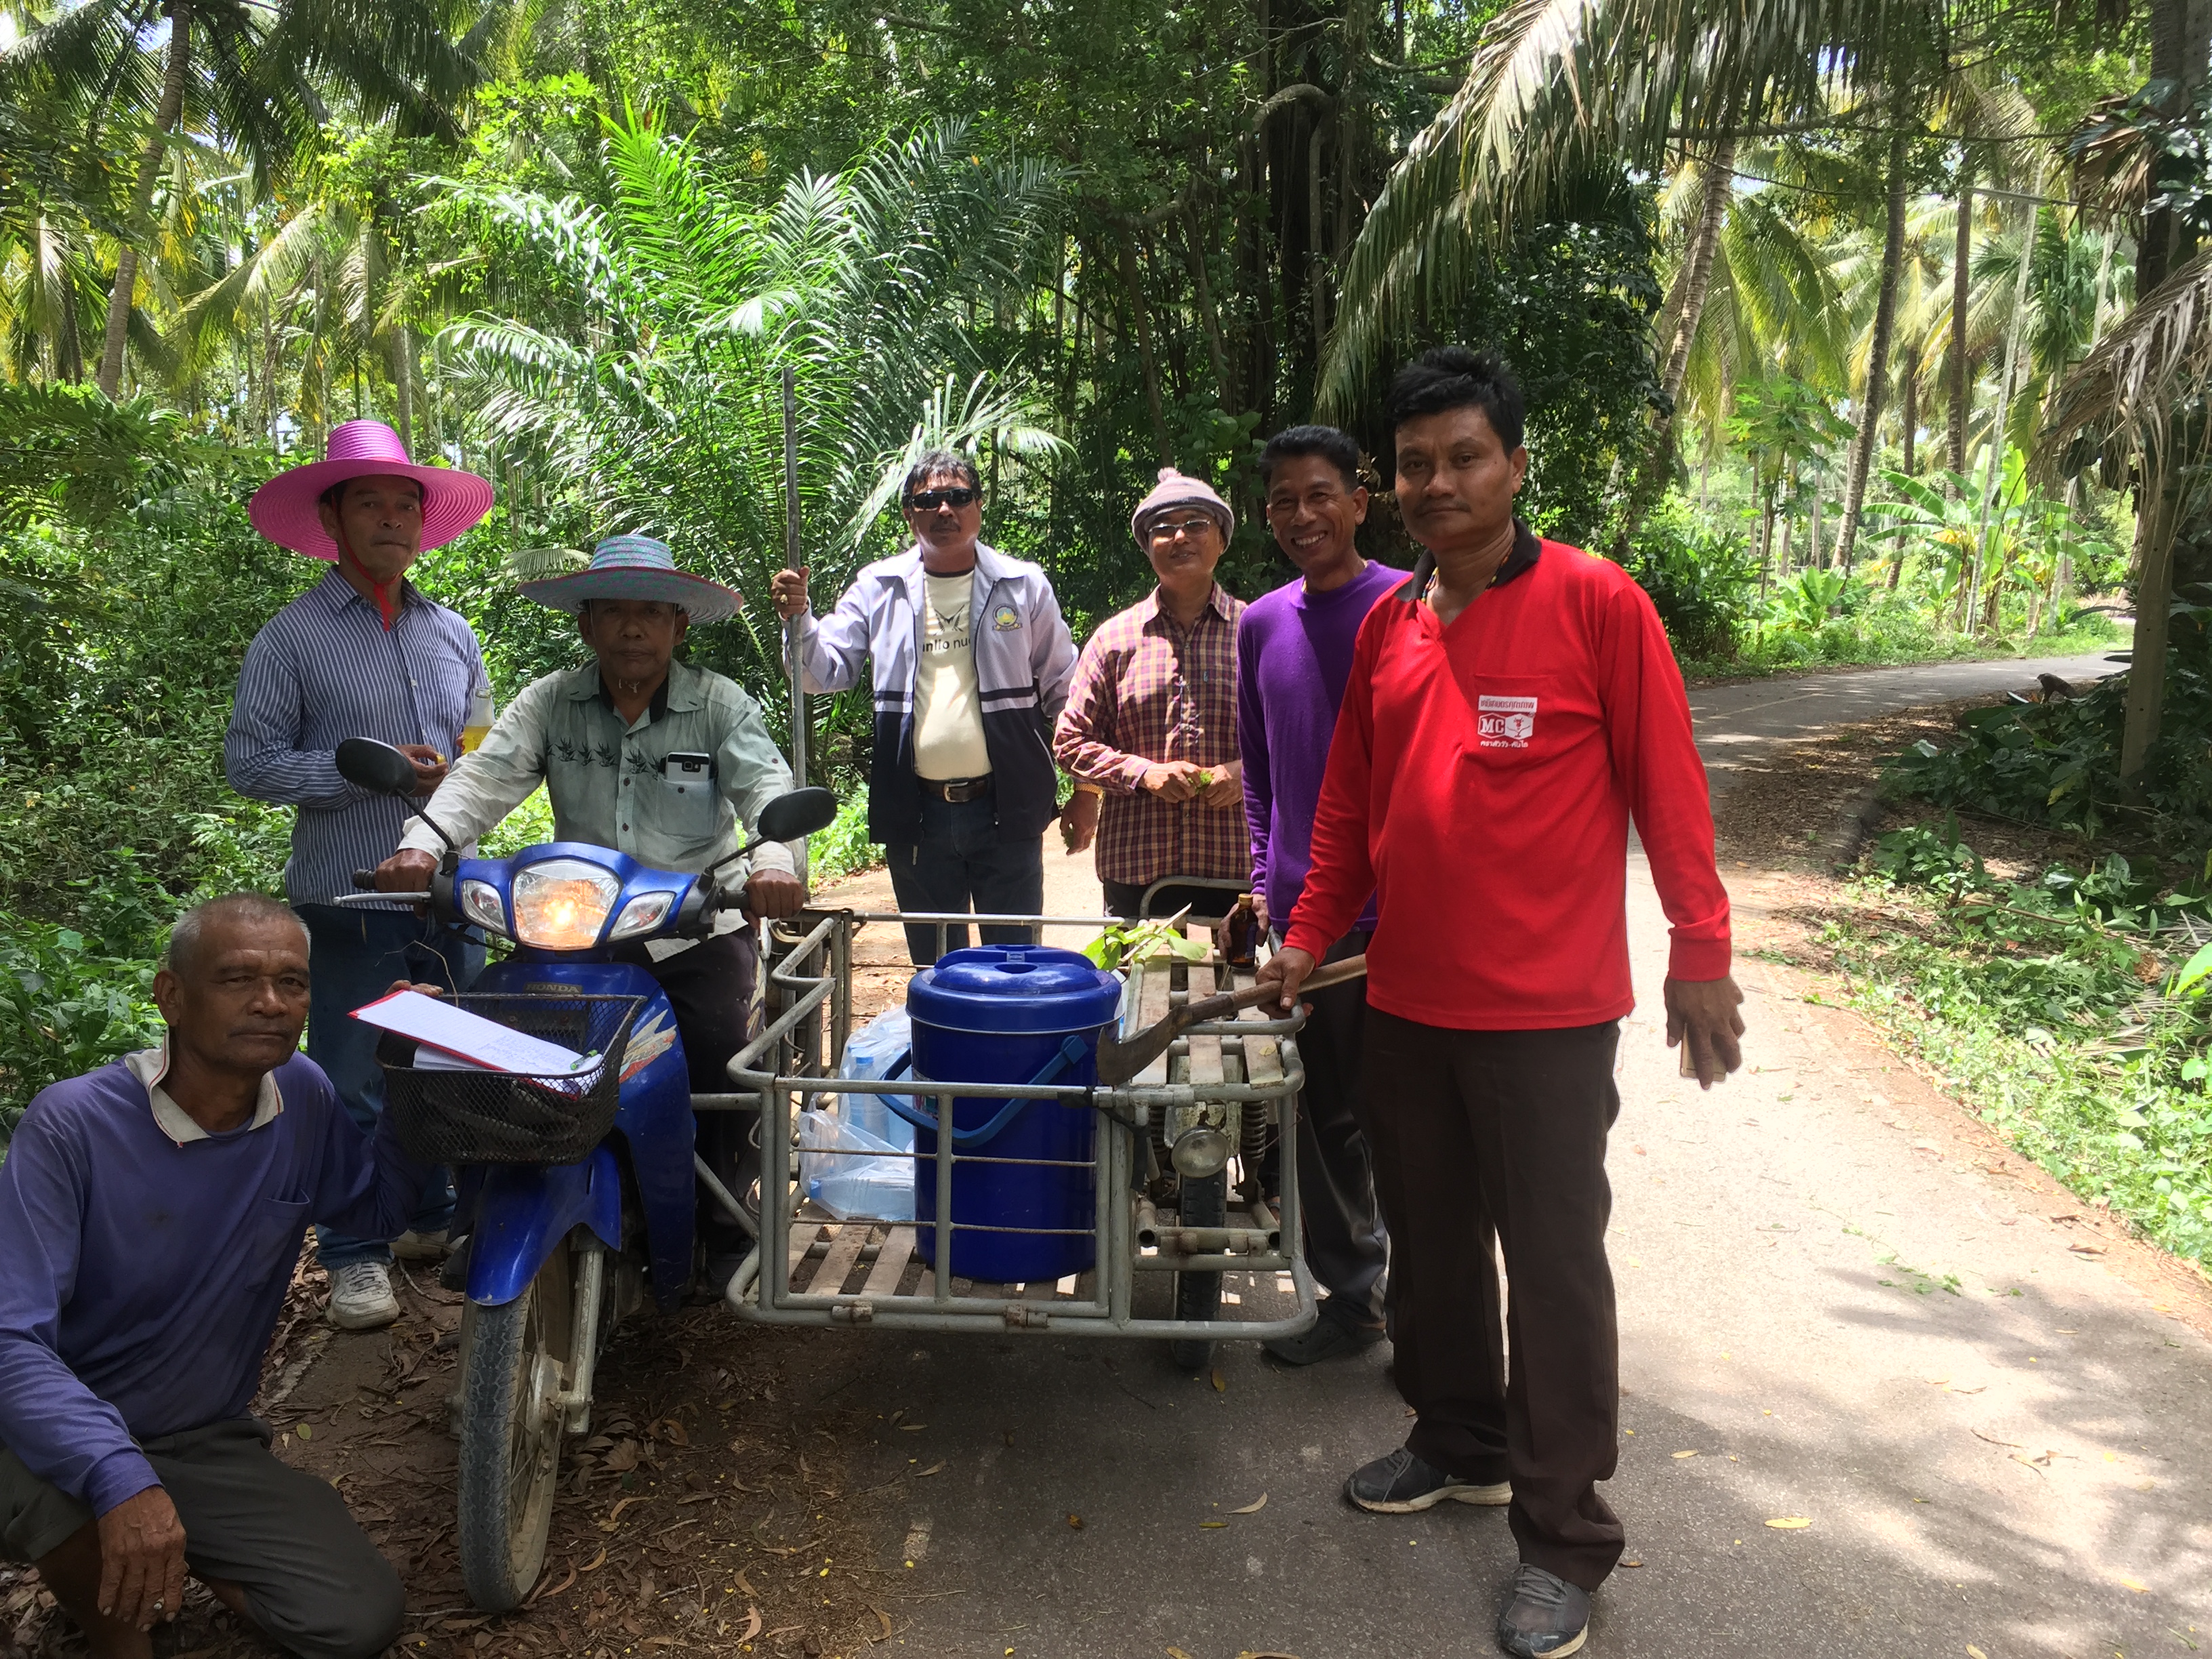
x: 325, y: 668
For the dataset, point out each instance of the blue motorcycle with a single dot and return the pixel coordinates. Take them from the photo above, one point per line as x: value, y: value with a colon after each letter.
x: 577, y: 1190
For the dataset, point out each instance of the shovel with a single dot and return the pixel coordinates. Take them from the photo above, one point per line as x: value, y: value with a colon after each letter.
x: 1120, y: 1058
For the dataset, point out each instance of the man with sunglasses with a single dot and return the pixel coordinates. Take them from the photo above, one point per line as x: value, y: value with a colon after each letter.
x: 969, y: 661
x: 1150, y: 719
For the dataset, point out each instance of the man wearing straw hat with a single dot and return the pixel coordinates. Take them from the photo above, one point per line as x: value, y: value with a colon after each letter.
x: 661, y: 760
x: 361, y: 654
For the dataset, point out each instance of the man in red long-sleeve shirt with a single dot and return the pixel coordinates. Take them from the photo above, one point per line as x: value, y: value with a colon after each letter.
x: 1509, y: 708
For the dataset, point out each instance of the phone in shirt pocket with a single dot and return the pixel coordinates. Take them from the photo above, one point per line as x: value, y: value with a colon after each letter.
x: 687, y: 783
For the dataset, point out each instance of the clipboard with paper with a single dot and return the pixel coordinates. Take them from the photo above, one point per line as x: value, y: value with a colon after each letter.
x: 451, y: 1038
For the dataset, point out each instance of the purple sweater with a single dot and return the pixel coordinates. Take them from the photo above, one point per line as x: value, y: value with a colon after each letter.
x: 140, y: 1278
x: 1293, y: 657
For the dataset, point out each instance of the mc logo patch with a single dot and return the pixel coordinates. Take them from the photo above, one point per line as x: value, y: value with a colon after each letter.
x: 1504, y: 722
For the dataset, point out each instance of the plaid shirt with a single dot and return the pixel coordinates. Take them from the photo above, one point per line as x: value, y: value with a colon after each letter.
x: 1146, y: 690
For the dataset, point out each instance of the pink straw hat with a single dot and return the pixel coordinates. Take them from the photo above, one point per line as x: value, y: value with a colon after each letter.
x: 284, y: 508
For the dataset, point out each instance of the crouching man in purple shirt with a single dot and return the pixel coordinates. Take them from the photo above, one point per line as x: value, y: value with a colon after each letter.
x: 150, y: 1215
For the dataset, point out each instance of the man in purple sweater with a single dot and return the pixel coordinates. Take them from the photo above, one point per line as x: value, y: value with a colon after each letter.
x: 150, y: 1215
x: 1293, y: 656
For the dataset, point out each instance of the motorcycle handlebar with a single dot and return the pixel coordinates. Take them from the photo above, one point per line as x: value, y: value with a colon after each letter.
x: 365, y: 880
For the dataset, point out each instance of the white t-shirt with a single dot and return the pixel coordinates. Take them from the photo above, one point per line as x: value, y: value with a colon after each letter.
x: 948, y: 717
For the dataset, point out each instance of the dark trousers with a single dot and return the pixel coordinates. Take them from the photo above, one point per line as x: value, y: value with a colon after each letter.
x: 354, y: 957
x: 312, y: 1578
x: 1206, y: 904
x: 1345, y: 1244
x: 1503, y: 1133
x: 710, y: 987
x: 963, y: 864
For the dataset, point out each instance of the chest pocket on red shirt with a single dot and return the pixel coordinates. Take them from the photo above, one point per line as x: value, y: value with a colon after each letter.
x: 1516, y: 718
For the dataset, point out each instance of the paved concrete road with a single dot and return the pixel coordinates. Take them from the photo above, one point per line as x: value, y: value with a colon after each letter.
x: 1826, y: 1296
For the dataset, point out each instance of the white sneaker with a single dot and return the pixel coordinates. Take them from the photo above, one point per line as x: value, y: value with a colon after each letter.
x: 411, y: 1246
x: 360, y: 1297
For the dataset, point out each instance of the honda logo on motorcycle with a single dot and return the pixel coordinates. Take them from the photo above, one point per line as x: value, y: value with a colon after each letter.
x: 1504, y: 722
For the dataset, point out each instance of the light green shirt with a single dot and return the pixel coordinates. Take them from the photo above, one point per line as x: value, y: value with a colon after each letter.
x: 606, y: 780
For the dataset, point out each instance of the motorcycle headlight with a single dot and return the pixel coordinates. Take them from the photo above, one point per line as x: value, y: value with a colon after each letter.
x: 480, y: 903
x: 562, y: 903
x: 1200, y: 1151
x: 641, y: 915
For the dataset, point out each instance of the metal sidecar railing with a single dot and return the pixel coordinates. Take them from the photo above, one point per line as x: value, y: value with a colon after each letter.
x: 1240, y: 1076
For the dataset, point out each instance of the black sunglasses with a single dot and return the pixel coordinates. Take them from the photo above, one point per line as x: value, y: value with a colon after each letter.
x: 930, y: 500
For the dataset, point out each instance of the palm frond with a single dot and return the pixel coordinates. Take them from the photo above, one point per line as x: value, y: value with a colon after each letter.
x: 2119, y: 404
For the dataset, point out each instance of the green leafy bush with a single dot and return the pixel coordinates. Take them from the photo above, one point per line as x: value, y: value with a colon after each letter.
x: 64, y: 1008
x: 1699, y: 578
x: 2040, y: 1001
x: 2058, y: 762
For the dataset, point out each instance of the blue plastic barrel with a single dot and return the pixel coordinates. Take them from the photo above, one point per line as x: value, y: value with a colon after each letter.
x: 1010, y: 1013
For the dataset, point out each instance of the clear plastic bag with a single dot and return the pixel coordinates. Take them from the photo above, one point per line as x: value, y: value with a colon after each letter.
x: 840, y: 1168
x: 882, y: 1048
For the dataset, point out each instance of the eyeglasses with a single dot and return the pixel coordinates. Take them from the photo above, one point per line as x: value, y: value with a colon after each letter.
x: 930, y: 500
x: 1190, y: 527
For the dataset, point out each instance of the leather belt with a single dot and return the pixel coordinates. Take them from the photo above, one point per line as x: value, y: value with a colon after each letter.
x: 957, y: 790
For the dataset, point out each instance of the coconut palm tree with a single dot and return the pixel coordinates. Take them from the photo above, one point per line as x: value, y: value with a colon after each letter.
x: 258, y: 77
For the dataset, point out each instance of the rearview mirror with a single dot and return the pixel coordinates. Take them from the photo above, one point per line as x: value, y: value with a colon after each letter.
x: 377, y: 767
x: 788, y: 816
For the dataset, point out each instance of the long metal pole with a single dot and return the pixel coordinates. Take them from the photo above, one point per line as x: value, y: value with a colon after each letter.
x: 792, y: 557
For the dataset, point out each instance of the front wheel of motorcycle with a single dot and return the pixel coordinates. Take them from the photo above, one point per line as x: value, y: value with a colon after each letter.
x: 516, y: 1363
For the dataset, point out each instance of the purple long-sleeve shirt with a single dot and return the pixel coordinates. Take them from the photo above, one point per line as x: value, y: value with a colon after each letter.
x: 1293, y: 657
x: 143, y: 1262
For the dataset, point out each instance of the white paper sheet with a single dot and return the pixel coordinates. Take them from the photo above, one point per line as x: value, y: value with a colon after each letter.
x: 475, y: 1041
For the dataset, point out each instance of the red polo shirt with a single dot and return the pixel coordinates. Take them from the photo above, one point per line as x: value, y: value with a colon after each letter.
x: 1481, y: 783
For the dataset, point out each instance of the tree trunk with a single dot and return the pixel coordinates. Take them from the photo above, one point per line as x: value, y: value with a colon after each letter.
x: 402, y: 381
x: 1216, y: 348
x: 2180, y: 43
x: 1993, y: 468
x: 1141, y: 320
x: 1962, y: 376
x: 1885, y: 323
x: 1657, y: 465
x: 166, y: 115
x: 1908, y: 402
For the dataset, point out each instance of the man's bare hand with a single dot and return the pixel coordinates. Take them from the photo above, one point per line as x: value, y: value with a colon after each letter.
x: 1702, y: 1012
x: 1283, y: 973
x: 407, y: 871
x: 1227, y: 788
x: 142, y: 1560
x: 774, y: 894
x: 1078, y: 820
x: 1172, y: 781
x: 399, y: 985
x: 787, y: 591
x: 430, y: 767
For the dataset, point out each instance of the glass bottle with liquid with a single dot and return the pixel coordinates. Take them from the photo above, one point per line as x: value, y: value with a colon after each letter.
x: 478, y: 723
x: 1242, y: 947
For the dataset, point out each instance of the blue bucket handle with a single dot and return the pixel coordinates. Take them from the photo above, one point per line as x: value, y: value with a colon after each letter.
x: 1072, y: 1052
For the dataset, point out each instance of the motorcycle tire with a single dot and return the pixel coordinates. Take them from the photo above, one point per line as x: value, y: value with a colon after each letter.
x: 516, y: 1357
x: 1198, y: 1296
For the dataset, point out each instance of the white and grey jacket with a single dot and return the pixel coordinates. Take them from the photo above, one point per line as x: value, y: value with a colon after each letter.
x: 1024, y: 658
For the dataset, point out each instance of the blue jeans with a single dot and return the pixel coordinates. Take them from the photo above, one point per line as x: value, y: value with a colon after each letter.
x: 962, y: 864
x: 355, y: 956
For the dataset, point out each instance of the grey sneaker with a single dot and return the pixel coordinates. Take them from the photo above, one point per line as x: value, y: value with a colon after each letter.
x: 1401, y: 1484
x: 360, y: 1297
x: 1544, y: 1617
x: 411, y: 1246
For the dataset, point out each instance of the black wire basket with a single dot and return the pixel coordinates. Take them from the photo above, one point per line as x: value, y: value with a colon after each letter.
x: 442, y: 1117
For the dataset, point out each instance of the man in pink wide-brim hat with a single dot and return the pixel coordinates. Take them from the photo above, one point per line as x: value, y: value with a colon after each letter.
x: 361, y: 654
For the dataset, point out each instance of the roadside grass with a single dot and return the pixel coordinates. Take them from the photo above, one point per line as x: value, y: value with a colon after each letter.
x: 1884, y: 639
x: 2058, y: 1009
